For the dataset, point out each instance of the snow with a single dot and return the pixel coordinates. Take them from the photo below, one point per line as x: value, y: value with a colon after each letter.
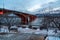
x: 4, y: 30
x: 27, y: 30
x: 51, y: 32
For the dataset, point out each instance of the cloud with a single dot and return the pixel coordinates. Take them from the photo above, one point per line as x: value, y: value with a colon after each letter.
x: 33, y: 8
x: 23, y: 5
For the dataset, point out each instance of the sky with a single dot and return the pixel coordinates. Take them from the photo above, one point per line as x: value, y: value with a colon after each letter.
x: 24, y: 5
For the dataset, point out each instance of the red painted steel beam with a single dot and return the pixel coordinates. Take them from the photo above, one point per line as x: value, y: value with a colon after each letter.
x: 23, y: 16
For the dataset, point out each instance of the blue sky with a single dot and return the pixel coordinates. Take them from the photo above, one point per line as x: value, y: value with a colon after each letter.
x: 24, y: 5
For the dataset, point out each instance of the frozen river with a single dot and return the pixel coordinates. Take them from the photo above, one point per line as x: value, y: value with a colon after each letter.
x: 25, y: 33
x: 25, y: 37
x: 19, y: 36
x: 53, y: 38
